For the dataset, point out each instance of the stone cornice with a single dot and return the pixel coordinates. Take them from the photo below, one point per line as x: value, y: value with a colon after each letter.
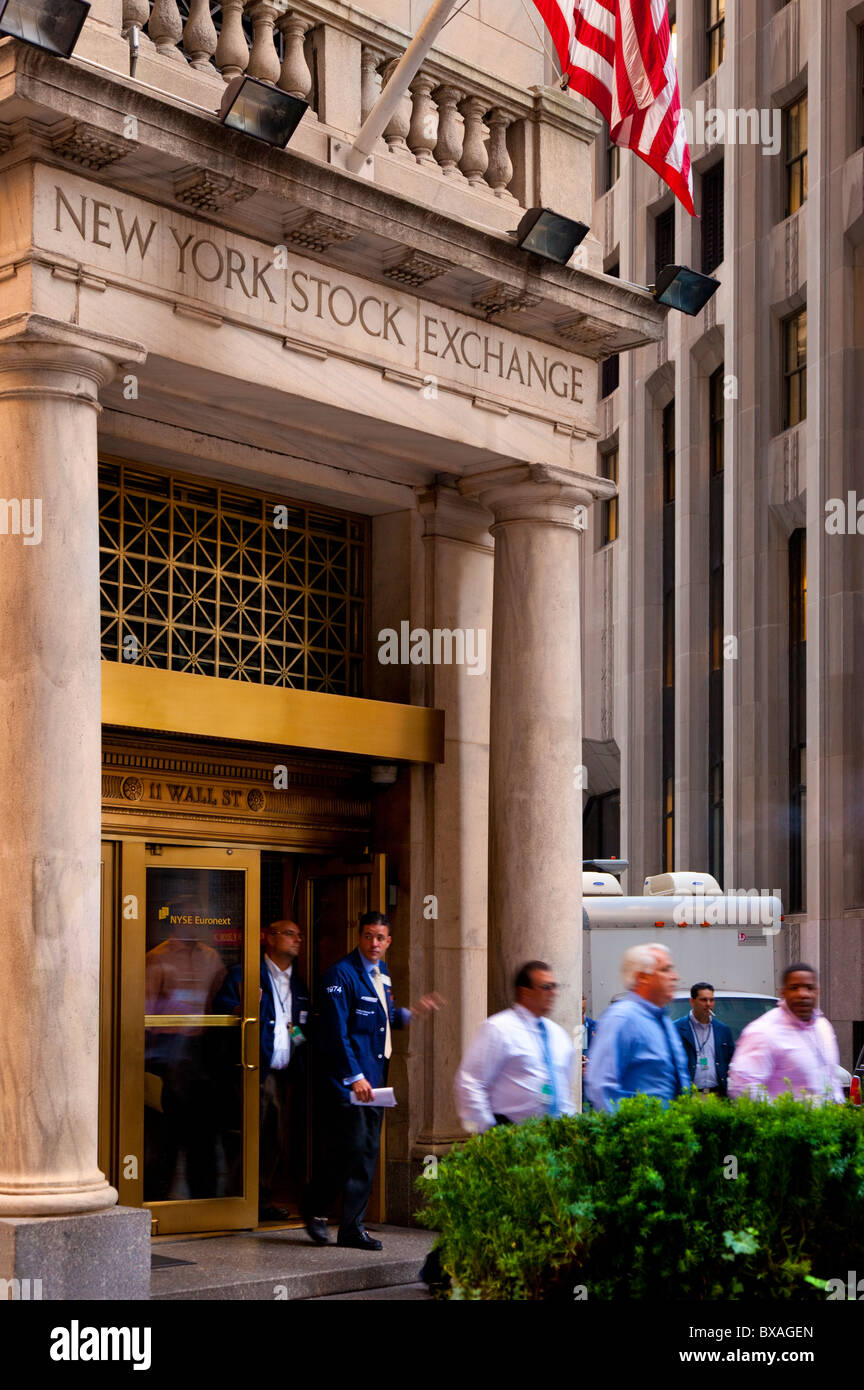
x: 172, y: 137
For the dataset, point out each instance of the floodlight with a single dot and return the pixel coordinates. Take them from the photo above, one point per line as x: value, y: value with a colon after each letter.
x: 265, y: 112
x: 684, y: 289
x: 549, y: 234
x: 53, y: 25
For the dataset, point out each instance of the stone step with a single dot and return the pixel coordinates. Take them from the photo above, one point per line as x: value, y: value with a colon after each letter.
x: 278, y: 1263
x: 396, y: 1292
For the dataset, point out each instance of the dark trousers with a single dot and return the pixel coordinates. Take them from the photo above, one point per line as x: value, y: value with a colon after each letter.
x: 347, y: 1151
x: 282, y: 1141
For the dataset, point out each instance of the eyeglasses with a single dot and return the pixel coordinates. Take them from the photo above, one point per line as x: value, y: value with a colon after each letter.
x: 546, y: 988
x: 295, y: 934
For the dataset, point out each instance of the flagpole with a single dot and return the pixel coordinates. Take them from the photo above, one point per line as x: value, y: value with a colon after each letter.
x: 407, y: 68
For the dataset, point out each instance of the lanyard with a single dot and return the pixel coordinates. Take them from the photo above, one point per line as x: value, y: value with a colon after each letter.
x: 701, y: 1043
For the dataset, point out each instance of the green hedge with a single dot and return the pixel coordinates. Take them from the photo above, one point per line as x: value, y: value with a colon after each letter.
x: 643, y: 1204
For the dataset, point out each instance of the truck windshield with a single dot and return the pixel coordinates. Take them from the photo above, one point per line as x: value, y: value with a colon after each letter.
x: 735, y: 1011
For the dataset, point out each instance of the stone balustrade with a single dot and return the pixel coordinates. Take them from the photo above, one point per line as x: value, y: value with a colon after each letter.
x: 462, y: 130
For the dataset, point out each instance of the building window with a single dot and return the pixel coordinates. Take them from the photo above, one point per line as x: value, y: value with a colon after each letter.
x: 794, y: 337
x: 795, y: 137
x: 668, y: 856
x: 609, y: 510
x: 715, y: 32
x: 611, y: 367
x: 797, y: 720
x: 712, y: 218
x: 669, y: 453
x: 613, y: 163
x: 716, y: 622
x: 601, y: 827
x: 664, y: 240
x: 667, y: 733
x: 610, y: 375
x: 219, y: 581
x: 716, y: 418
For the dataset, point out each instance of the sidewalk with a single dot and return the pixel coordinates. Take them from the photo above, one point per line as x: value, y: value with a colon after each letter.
x: 279, y: 1263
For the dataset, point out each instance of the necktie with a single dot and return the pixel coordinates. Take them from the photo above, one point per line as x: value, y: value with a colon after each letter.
x: 547, y: 1056
x: 379, y: 990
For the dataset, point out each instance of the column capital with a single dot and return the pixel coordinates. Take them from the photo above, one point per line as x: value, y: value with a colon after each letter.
x: 536, y: 492
x: 448, y: 512
x: 32, y: 345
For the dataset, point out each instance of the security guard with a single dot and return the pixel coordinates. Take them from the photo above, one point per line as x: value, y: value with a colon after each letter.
x: 353, y: 1037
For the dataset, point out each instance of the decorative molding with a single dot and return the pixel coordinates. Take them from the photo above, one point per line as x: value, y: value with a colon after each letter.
x: 209, y: 192
x: 497, y: 298
x: 315, y: 231
x: 415, y: 268
x: 152, y: 783
x: 88, y: 146
x: 586, y: 332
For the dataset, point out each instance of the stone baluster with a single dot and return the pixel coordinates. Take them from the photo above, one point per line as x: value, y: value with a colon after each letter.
x: 423, y: 135
x: 500, y: 169
x: 451, y: 128
x: 199, y: 35
x: 232, y: 50
x: 295, y: 77
x: 370, y: 79
x: 263, y: 60
x: 166, y: 29
x: 475, y: 157
x: 135, y: 12
x: 400, y: 123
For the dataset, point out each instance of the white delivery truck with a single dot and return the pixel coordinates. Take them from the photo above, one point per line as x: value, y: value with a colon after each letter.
x: 725, y: 938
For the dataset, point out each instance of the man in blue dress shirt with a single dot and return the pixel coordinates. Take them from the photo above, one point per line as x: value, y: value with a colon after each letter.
x: 636, y: 1049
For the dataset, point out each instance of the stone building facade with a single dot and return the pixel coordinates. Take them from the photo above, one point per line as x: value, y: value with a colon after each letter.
x: 255, y: 412
x: 723, y: 621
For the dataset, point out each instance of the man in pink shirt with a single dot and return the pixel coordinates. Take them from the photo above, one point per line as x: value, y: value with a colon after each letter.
x: 791, y: 1048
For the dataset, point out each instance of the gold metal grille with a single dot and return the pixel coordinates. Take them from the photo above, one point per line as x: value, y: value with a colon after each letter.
x: 216, y: 581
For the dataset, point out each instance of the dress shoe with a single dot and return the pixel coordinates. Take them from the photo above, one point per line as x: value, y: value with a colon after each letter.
x: 316, y: 1229
x: 358, y: 1239
x: 273, y: 1214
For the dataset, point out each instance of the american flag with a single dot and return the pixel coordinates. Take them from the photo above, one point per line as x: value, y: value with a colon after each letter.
x: 618, y: 53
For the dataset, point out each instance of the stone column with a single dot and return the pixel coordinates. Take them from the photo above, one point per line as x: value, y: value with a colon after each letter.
x: 535, y: 753
x: 50, y: 376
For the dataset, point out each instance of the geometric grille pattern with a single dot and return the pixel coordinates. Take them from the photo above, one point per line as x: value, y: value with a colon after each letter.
x: 222, y: 582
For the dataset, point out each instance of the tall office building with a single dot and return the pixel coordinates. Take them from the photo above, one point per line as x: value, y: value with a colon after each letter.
x: 723, y: 589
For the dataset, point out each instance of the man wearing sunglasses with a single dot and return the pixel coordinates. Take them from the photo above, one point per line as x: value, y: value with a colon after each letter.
x: 519, y: 1063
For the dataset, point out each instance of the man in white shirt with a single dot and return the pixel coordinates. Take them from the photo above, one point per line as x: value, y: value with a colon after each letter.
x: 519, y: 1063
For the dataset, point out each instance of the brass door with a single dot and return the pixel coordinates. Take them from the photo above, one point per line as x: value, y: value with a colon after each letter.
x: 188, y: 1066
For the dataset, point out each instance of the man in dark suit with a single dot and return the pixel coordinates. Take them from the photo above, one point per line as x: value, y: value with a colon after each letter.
x: 707, y: 1042
x: 353, y: 1043
x: 284, y: 1027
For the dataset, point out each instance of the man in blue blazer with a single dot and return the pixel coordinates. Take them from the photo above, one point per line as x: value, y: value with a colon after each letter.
x: 707, y: 1042
x: 284, y: 1030
x: 353, y: 1047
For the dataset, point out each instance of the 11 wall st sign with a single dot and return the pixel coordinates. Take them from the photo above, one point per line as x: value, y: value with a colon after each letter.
x: 130, y: 240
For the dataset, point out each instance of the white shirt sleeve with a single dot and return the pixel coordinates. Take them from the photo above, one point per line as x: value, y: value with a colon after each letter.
x: 480, y: 1066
